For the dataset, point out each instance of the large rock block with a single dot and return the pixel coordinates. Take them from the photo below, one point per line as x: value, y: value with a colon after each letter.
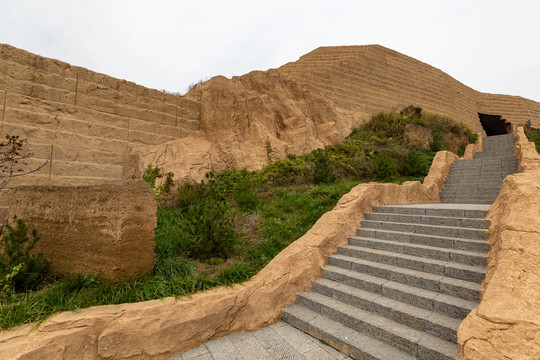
x: 106, y: 226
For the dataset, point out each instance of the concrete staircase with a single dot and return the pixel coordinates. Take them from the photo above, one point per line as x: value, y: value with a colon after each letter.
x: 479, y: 181
x: 402, y: 286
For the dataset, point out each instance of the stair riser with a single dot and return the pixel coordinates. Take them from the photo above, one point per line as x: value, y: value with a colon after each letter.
x: 471, y: 214
x: 387, y: 311
x: 408, y: 345
x: 463, y: 233
x: 429, y: 220
x: 451, y: 243
x: 419, y: 265
x: 431, y: 283
x: 435, y: 253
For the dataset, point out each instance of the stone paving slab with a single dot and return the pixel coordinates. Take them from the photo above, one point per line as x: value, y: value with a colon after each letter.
x: 276, y: 342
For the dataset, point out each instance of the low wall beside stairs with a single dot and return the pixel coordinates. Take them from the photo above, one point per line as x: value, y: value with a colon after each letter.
x: 506, y: 324
x: 161, y: 328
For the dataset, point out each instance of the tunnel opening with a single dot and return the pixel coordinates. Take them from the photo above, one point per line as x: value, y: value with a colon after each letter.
x: 494, y: 124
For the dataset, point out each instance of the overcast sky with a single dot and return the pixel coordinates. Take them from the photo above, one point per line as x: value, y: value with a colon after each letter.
x: 491, y: 46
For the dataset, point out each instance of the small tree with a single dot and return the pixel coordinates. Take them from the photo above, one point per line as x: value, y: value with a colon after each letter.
x: 18, y: 267
x: 11, y: 154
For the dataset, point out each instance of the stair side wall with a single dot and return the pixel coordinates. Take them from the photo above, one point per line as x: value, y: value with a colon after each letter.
x: 506, y: 323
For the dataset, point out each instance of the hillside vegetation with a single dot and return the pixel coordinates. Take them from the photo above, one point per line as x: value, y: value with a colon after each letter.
x: 224, y: 230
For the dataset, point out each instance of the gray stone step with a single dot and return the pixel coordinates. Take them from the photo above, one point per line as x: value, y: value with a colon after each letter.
x: 434, y: 320
x: 466, y: 194
x: 468, y: 201
x: 349, y: 341
x: 432, y: 252
x: 464, y: 197
x: 469, y: 192
x: 405, y: 338
x: 429, y: 220
x: 434, y: 210
x: 479, y: 187
x: 422, y: 239
x: 432, y: 266
x: 458, y: 232
x: 421, y: 293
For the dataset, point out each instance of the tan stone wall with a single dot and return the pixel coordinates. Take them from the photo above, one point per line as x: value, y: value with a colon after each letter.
x: 506, y: 324
x: 86, y: 122
x: 368, y: 79
x: 106, y: 227
x: 94, y: 126
x: 161, y: 328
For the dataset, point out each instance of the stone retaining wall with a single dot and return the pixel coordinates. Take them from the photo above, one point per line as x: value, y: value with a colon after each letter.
x: 506, y: 324
x: 161, y: 328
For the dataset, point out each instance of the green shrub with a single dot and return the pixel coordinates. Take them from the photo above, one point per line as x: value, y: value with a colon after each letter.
x: 383, y: 167
x: 437, y: 144
x: 322, y: 171
x: 414, y: 164
x: 534, y: 136
x: 461, y: 149
x: 23, y: 270
x: 289, y: 171
x: 413, y: 112
x: 245, y: 194
x: 150, y: 175
x: 210, y: 228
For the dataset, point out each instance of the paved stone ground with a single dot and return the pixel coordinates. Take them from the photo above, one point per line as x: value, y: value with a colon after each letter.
x: 278, y: 341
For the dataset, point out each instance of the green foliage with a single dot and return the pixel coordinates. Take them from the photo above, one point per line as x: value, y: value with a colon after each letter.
x: 322, y: 171
x: 414, y: 164
x: 268, y: 148
x: 391, y: 124
x: 461, y: 149
x: 151, y: 174
x: 383, y: 167
x: 210, y: 228
x: 245, y: 192
x: 236, y: 273
x: 534, y: 136
x: 437, y: 144
x: 18, y: 267
x: 289, y: 171
x: 411, y: 111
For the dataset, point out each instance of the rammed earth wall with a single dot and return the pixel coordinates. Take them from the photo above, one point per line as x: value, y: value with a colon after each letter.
x: 85, y: 122
x: 93, y: 126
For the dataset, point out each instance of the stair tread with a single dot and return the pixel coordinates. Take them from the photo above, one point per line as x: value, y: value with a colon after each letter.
x: 356, y: 343
x: 426, y: 247
x: 385, y: 328
x: 403, y: 307
x: 425, y: 235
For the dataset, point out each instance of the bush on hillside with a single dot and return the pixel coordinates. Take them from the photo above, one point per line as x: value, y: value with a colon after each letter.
x: 383, y: 167
x: 414, y: 164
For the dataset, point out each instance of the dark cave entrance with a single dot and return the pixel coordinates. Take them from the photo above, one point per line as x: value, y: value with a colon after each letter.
x: 494, y: 124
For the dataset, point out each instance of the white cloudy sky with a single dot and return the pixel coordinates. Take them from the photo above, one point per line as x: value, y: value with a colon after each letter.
x: 491, y: 46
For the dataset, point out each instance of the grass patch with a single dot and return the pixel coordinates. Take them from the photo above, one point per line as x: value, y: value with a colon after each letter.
x: 534, y: 136
x: 227, y: 228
